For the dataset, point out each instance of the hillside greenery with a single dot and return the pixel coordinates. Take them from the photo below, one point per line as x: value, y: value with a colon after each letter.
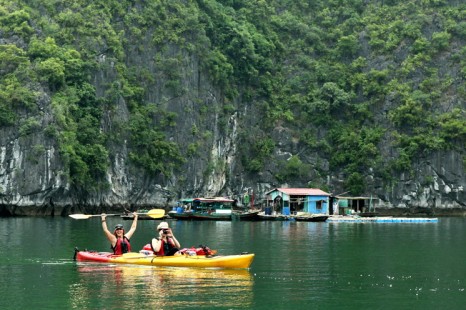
x: 350, y: 78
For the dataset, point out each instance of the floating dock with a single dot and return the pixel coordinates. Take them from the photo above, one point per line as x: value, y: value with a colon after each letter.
x: 384, y: 219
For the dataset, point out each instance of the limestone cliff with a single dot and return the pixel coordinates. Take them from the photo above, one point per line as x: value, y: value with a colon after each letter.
x: 251, y: 104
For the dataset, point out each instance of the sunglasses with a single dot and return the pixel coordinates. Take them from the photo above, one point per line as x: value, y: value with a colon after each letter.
x: 118, y: 228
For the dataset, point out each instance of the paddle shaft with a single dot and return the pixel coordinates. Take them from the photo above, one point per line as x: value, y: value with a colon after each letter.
x: 93, y: 215
x: 154, y: 213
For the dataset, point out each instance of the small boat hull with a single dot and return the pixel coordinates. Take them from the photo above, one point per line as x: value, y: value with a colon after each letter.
x: 205, y: 216
x: 245, y: 216
x: 214, y: 216
x: 273, y: 217
x: 181, y: 216
x: 311, y: 218
x: 241, y: 261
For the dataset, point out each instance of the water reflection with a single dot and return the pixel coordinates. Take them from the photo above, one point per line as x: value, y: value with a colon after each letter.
x: 133, y: 286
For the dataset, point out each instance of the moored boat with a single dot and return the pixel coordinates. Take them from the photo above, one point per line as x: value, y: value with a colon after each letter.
x: 311, y: 218
x: 212, y: 215
x: 184, y: 215
x: 213, y: 209
x: 273, y: 217
x: 252, y: 215
x: 240, y: 261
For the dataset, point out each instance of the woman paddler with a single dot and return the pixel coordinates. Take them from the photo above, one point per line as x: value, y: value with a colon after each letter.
x: 119, y: 240
x: 166, y: 244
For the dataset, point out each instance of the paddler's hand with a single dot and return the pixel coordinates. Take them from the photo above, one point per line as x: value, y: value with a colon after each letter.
x: 135, y: 214
x: 103, y: 216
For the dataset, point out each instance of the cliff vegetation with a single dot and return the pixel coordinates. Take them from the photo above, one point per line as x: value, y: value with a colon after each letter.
x: 139, y: 103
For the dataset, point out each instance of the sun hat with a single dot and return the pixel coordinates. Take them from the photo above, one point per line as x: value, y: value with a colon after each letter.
x: 163, y: 225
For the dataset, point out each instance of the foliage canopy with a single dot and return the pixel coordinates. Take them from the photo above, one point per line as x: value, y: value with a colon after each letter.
x: 346, y: 77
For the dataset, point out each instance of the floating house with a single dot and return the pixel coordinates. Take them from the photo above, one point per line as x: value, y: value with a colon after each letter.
x: 346, y: 205
x: 291, y: 201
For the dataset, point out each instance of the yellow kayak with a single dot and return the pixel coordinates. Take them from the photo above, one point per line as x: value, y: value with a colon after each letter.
x: 240, y: 261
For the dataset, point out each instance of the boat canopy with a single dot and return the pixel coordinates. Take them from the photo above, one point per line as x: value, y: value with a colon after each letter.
x: 213, y: 199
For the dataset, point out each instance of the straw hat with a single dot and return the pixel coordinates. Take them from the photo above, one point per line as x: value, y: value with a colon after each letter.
x: 163, y: 225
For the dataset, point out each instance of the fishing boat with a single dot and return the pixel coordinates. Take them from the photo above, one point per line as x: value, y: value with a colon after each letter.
x: 311, y: 218
x: 212, y: 209
x: 216, y: 208
x: 183, y: 210
x: 240, y: 261
x: 182, y: 215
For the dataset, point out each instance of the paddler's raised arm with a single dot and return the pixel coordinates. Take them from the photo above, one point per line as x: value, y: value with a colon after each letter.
x: 107, y: 233
x: 131, y: 231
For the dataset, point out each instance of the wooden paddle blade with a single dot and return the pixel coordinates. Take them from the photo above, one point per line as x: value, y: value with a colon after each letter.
x: 156, y: 213
x: 80, y: 216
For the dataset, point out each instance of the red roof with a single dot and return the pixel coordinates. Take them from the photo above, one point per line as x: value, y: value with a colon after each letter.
x: 301, y: 191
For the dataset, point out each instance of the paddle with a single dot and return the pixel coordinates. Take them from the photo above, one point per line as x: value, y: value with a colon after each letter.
x: 154, y: 213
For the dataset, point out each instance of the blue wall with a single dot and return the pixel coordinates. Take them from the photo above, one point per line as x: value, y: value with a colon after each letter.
x: 311, y: 204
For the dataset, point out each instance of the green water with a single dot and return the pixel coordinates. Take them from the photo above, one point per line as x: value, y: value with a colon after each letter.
x: 298, y: 265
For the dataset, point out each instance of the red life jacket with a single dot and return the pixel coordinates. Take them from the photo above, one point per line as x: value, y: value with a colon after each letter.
x: 122, y: 246
x: 166, y: 248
